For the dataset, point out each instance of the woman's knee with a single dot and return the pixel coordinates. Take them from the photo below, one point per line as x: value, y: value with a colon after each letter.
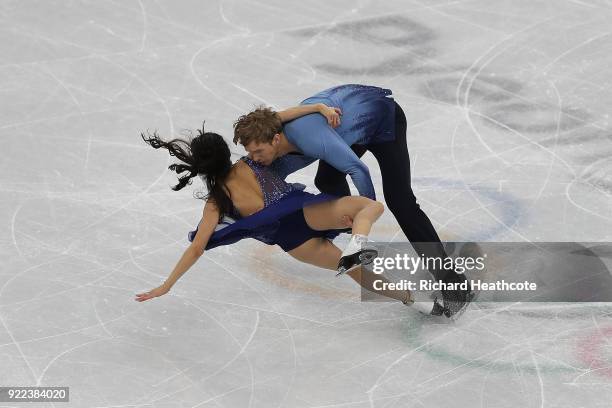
x: 378, y: 207
x: 363, y: 202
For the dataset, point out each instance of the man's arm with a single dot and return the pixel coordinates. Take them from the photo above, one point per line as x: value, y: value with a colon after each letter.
x: 332, y: 115
x: 313, y: 137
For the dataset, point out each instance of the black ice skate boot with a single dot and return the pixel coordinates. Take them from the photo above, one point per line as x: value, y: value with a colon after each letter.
x: 363, y: 256
x: 357, y: 252
x: 456, y: 301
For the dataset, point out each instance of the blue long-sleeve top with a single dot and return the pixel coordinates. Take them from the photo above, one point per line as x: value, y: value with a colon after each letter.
x: 368, y: 115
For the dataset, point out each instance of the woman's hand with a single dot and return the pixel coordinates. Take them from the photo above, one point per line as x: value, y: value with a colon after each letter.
x: 331, y: 114
x: 159, y: 291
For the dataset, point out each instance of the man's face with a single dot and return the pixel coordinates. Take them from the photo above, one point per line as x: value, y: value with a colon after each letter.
x: 263, y: 153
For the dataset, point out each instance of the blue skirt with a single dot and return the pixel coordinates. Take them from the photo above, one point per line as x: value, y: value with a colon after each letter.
x: 281, y: 223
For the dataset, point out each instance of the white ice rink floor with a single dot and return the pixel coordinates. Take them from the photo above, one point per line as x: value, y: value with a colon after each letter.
x: 508, y: 106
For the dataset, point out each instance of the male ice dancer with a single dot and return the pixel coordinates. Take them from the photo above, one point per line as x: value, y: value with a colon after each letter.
x: 371, y: 121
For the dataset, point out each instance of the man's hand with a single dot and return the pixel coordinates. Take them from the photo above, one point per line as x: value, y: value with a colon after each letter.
x: 347, y: 221
x: 331, y: 114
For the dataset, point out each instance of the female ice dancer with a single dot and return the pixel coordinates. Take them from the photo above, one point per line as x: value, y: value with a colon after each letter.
x: 265, y: 207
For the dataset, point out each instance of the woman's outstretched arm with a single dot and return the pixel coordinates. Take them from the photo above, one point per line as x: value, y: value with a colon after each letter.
x: 331, y: 114
x: 207, y: 226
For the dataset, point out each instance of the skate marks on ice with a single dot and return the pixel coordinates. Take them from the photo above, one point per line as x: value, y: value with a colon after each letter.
x: 500, y: 101
x: 526, y: 109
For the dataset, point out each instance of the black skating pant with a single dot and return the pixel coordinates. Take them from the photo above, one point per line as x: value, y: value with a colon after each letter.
x: 394, y: 165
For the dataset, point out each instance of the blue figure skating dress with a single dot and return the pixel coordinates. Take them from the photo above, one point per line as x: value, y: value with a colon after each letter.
x: 281, y: 222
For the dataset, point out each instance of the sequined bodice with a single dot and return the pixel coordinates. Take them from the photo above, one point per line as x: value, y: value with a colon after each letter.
x: 272, y: 185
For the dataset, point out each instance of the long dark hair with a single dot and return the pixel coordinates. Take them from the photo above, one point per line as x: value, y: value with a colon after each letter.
x: 207, y: 155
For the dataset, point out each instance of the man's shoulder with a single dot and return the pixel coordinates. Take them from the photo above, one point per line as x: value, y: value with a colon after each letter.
x: 305, y: 130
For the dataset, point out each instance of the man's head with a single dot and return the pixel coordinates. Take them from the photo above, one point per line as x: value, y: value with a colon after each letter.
x: 260, y: 133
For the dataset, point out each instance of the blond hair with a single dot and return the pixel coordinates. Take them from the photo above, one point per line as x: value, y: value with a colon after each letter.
x: 258, y: 126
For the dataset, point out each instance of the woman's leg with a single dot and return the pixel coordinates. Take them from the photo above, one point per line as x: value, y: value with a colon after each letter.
x: 330, y: 214
x: 324, y: 254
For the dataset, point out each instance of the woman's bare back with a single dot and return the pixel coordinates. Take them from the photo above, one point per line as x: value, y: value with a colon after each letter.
x: 244, y: 189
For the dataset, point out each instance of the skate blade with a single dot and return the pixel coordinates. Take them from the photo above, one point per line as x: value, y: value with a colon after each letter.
x: 343, y: 271
x: 368, y: 256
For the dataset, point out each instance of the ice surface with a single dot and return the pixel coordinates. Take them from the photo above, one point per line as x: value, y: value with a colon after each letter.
x: 508, y: 105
